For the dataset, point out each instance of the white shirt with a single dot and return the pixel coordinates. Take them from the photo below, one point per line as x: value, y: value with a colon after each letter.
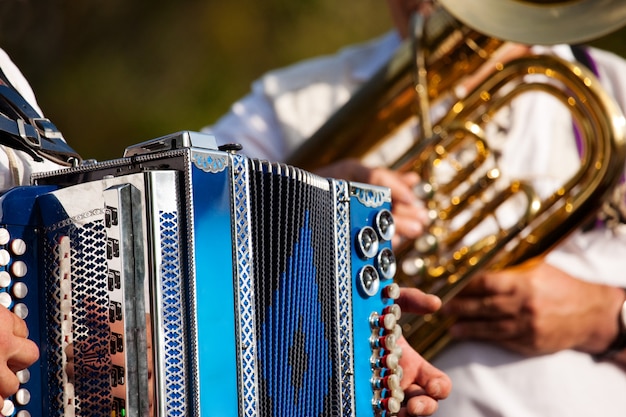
x: 286, y: 106
x: 16, y: 167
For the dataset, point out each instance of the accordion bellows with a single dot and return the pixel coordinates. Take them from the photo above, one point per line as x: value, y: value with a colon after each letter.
x: 183, y: 280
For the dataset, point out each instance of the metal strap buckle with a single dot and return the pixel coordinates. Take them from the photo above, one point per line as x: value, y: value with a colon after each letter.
x: 32, y: 140
x: 46, y: 128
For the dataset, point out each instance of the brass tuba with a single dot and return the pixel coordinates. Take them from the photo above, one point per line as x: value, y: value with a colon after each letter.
x: 462, y: 185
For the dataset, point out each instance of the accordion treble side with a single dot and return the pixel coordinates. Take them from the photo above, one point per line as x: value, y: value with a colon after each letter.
x: 182, y: 280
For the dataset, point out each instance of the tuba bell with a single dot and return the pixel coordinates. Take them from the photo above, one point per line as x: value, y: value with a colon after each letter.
x: 462, y: 185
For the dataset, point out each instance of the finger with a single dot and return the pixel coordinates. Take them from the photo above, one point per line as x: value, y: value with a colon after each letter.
x: 490, y: 283
x: 401, y: 186
x: 26, y: 353
x: 411, y: 178
x: 491, y: 330
x: 486, y: 307
x: 418, y: 371
x: 19, y: 326
x: 419, y: 405
x: 407, y: 221
x: 9, y: 383
x: 418, y: 302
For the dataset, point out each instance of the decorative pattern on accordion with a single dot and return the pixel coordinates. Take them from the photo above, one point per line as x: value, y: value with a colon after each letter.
x: 173, y: 301
x: 90, y: 321
x: 344, y: 297
x: 248, y: 348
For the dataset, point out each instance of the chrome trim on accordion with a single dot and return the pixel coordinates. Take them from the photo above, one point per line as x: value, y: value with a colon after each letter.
x: 181, y: 280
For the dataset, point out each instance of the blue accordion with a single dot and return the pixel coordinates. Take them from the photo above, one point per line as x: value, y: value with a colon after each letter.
x: 184, y: 280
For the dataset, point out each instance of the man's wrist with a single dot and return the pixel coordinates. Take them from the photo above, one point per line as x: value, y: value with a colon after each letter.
x: 619, y: 342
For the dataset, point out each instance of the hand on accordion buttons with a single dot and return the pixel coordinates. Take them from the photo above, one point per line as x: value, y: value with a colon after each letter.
x: 16, y: 351
x: 409, y: 213
x: 423, y: 384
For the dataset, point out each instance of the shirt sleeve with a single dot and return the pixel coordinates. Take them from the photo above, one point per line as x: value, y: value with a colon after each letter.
x: 252, y: 123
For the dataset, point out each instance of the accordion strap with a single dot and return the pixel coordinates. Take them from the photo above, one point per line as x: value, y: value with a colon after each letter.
x: 22, y: 128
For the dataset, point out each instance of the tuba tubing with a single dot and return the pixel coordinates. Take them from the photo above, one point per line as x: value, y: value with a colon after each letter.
x: 546, y: 221
x: 389, y: 99
x: 442, y: 262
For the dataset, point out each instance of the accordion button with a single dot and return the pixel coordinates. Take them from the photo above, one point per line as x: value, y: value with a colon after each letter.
x: 5, y: 236
x: 399, y: 371
x: 398, y: 394
x: 389, y: 361
x: 397, y: 330
x: 20, y: 290
x: 5, y: 279
x: 393, y: 309
x: 386, y: 262
x: 23, y: 413
x: 392, y: 291
x: 22, y: 397
x: 384, y: 342
x: 385, y: 225
x: 20, y: 310
x: 384, y: 321
x: 8, y: 408
x: 393, y: 382
x: 397, y: 351
x: 5, y: 299
x: 367, y: 241
x: 18, y: 247
x: 5, y: 257
x: 19, y: 269
x: 390, y: 382
x: 389, y: 321
x: 23, y: 376
x: 389, y: 404
x: 369, y: 280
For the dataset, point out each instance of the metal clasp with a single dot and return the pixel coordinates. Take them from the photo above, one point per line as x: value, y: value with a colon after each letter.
x: 33, y: 141
x: 46, y: 128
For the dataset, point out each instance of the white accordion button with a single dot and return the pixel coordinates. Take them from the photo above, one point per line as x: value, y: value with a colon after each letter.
x: 20, y: 310
x: 393, y: 382
x: 5, y: 279
x: 8, y: 408
x: 23, y: 413
x: 19, y: 269
x: 389, y: 321
x: 5, y: 236
x: 18, y: 247
x: 23, y: 376
x: 20, y: 290
x: 5, y: 257
x: 393, y: 309
x: 398, y: 394
x: 392, y: 291
x: 22, y: 397
x: 5, y: 299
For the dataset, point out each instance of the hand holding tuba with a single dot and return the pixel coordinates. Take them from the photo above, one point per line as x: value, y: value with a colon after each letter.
x: 462, y: 184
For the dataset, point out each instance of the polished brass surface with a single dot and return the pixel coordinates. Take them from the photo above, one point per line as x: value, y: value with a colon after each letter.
x: 463, y: 187
x: 388, y: 100
x: 475, y: 189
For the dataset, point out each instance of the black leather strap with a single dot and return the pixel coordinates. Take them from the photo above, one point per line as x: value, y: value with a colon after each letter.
x: 22, y: 128
x: 582, y: 55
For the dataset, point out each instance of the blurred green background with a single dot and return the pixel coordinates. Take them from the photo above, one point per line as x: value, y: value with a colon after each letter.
x: 110, y: 73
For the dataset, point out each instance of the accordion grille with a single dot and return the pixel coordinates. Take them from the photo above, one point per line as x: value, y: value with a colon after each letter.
x: 295, y: 296
x: 90, y: 329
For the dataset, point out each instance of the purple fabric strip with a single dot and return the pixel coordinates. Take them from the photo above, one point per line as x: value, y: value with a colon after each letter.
x: 582, y: 54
